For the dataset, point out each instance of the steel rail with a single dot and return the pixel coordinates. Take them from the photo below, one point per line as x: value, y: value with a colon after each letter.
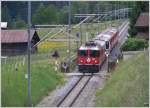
x: 74, y: 100
x: 71, y: 91
x: 61, y: 101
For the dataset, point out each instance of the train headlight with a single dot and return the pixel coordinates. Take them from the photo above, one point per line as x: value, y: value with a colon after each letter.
x: 88, y: 60
x: 81, y: 61
x: 96, y: 61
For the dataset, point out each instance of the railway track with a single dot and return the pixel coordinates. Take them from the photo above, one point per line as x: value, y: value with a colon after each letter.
x: 73, y: 94
x: 76, y: 90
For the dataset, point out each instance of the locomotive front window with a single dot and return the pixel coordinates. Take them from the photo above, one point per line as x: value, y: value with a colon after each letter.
x: 82, y: 52
x: 94, y: 53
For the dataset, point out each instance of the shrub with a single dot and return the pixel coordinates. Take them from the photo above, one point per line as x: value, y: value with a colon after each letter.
x: 132, y: 31
x: 134, y: 44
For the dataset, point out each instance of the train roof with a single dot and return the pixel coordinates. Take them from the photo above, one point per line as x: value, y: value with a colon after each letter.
x: 83, y: 47
x: 100, y: 39
x: 107, y: 34
x: 105, y: 37
x: 100, y: 35
x: 100, y: 42
x: 112, y: 30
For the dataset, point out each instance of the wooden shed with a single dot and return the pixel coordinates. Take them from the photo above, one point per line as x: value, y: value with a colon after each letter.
x: 142, y: 25
x: 15, y: 42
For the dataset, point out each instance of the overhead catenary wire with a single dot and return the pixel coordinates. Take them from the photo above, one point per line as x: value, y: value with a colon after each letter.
x: 44, y: 38
x: 93, y: 19
x: 62, y: 30
x: 104, y: 15
x: 81, y: 22
x: 38, y: 26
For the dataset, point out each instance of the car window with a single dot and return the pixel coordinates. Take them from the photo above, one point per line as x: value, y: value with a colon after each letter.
x: 82, y: 53
x: 94, y: 53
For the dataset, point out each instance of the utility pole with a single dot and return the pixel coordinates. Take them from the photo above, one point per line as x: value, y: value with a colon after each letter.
x: 69, y: 33
x: 98, y: 17
x: 29, y: 51
x: 106, y: 16
x: 77, y: 39
x: 80, y: 25
x: 81, y: 33
x: 107, y: 54
x: 111, y: 15
x: 124, y: 13
x: 128, y: 10
x: 115, y: 11
x: 87, y: 24
x: 118, y: 11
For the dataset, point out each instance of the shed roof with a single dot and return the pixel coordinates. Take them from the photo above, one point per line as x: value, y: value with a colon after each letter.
x: 15, y: 36
x: 3, y: 24
x: 143, y: 20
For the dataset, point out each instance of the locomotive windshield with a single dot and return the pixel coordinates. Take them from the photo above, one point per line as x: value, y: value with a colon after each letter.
x: 94, y: 53
x: 82, y: 52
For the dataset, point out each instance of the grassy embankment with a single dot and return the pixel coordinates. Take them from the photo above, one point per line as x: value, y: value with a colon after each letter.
x: 43, y: 77
x: 14, y: 83
x: 128, y: 84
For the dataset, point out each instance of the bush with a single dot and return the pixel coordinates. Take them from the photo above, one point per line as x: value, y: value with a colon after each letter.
x: 134, y: 44
x: 132, y: 31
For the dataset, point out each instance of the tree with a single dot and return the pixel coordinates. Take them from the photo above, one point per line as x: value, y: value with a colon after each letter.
x: 38, y: 16
x: 45, y: 15
x: 50, y: 12
x: 63, y: 15
x: 20, y: 24
x: 6, y: 15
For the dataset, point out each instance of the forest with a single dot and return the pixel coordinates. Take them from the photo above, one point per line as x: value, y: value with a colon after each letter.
x: 55, y: 12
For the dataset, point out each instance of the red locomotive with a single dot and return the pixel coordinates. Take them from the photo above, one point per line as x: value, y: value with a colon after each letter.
x: 91, y: 55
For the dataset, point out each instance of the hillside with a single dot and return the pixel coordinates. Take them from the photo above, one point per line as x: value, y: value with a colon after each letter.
x: 128, y: 84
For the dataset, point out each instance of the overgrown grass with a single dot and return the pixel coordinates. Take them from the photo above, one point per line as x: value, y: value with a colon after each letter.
x: 14, y: 84
x: 43, y: 76
x: 46, y: 49
x: 128, y: 85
